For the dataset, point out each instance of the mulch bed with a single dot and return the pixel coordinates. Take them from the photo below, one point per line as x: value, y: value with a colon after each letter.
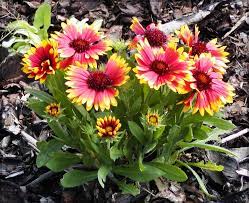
x: 22, y: 181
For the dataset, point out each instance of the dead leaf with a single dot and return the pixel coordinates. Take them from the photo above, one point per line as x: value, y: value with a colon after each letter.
x: 10, y: 69
x: 115, y: 32
x: 243, y: 172
x: 170, y: 190
x: 132, y: 8
x: 156, y: 7
x: 230, y: 164
x: 33, y: 4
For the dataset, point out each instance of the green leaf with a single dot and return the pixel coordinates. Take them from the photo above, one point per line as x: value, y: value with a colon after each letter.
x: 136, y: 106
x: 198, y: 178
x: 199, y: 134
x: 173, y: 137
x: 41, y: 95
x: 46, y: 149
x: 219, y: 123
x: 128, y: 188
x: 136, y: 131
x: 77, y: 177
x: 210, y: 120
x: 150, y: 146
x: 102, y: 173
x: 59, y: 131
x: 171, y: 172
x: 82, y: 111
x: 133, y: 172
x: 42, y: 19
x: 207, y: 166
x: 61, y: 161
x: 115, y: 153
x: 206, y: 146
x: 21, y: 24
x: 189, y: 136
x: 33, y: 38
x: 158, y: 133
x: 140, y: 162
x: 213, y: 135
x: 37, y: 106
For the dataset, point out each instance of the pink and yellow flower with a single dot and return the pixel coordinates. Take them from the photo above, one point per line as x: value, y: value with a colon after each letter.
x: 41, y: 60
x: 152, y: 33
x: 81, y: 42
x: 197, y: 47
x: 158, y: 67
x: 209, y: 93
x: 97, y: 87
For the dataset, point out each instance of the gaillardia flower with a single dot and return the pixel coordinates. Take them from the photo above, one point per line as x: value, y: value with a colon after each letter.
x: 152, y: 33
x: 197, y: 47
x: 153, y: 119
x: 53, y: 109
x: 209, y: 93
x: 158, y: 67
x: 108, y: 126
x: 41, y: 60
x: 97, y: 87
x: 81, y: 42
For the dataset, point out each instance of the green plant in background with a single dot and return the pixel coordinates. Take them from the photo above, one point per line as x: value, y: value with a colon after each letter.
x: 132, y: 118
x: 25, y: 35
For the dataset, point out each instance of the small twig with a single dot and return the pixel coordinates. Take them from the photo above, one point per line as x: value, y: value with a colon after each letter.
x: 242, y: 183
x: 191, y: 19
x: 31, y: 141
x: 241, y: 20
x: 40, y: 179
x: 146, y: 190
x: 12, y: 175
x: 235, y: 135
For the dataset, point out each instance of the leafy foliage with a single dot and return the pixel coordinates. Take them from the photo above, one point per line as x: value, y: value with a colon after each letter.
x: 25, y: 35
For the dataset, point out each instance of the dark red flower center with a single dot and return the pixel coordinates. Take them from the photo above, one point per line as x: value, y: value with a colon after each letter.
x: 203, y: 80
x: 198, y: 48
x: 98, y: 81
x: 54, y: 109
x: 45, y: 64
x: 80, y: 45
x: 160, y: 67
x: 155, y: 37
x: 109, y: 128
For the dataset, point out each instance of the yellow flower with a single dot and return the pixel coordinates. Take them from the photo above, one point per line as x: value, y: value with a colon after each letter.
x: 108, y: 126
x: 153, y: 118
x: 53, y: 109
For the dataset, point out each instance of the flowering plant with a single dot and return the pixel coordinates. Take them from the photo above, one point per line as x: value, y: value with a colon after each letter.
x: 127, y: 110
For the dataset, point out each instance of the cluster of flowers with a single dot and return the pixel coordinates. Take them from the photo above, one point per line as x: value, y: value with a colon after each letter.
x: 181, y: 61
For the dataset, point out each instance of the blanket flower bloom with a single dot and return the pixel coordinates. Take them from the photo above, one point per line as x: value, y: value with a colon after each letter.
x: 153, y: 118
x: 53, y: 109
x: 152, y: 33
x: 41, y: 60
x: 158, y: 67
x: 81, y: 42
x: 97, y: 87
x: 209, y: 93
x: 197, y: 47
x: 108, y: 126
